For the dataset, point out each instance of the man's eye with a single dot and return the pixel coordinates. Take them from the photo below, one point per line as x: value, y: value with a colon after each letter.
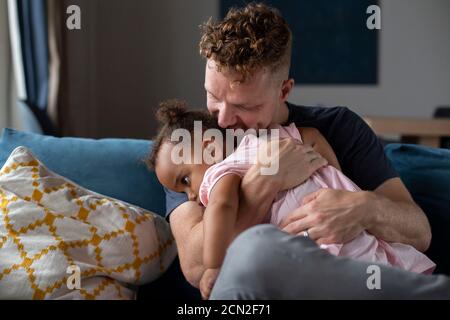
x: 210, y: 96
x: 253, y: 107
x: 249, y: 108
x: 185, y: 180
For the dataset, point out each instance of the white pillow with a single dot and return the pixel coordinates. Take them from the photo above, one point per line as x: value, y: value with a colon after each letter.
x: 48, y: 223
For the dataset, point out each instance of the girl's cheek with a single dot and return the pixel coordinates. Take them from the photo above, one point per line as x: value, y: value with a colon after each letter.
x: 195, y: 183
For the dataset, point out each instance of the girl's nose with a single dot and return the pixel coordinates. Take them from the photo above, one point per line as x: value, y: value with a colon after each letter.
x: 192, y: 196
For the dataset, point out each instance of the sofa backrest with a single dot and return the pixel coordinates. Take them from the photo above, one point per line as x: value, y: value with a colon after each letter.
x: 426, y: 173
x: 112, y: 167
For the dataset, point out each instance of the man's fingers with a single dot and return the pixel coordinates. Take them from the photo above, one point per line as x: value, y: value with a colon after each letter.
x: 306, y: 148
x: 323, y: 236
x: 316, y: 160
x: 293, y: 155
x: 294, y: 216
x: 289, y: 144
x: 324, y: 240
x: 310, y: 197
x: 316, y: 234
x: 298, y: 226
x: 319, y: 162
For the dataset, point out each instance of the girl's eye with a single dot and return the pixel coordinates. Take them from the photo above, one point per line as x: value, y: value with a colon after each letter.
x: 185, y: 180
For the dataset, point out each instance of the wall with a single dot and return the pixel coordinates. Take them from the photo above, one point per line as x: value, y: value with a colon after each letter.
x: 414, y: 75
x: 414, y: 65
x: 126, y: 59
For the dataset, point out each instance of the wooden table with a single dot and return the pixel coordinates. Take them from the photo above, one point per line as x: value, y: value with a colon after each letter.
x: 427, y: 131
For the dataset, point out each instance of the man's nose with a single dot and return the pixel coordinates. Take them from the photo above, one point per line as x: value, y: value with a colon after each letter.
x: 226, y: 117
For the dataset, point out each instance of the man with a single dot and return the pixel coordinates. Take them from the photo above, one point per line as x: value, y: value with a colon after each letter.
x: 248, y: 57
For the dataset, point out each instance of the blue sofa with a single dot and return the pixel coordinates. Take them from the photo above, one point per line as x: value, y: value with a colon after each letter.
x: 115, y: 167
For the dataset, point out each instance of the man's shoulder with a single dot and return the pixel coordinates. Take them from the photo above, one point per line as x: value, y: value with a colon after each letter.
x: 320, y: 116
x: 358, y: 150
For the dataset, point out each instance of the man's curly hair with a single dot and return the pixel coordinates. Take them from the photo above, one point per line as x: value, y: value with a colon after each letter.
x: 248, y: 39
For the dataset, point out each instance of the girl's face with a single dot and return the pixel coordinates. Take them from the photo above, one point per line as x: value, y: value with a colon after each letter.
x: 185, y: 178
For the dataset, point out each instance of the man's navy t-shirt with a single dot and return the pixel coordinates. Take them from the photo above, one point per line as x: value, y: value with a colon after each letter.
x: 357, y: 148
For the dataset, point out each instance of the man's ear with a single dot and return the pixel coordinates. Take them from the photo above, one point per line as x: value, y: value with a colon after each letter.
x: 286, y: 88
x: 212, y: 150
x: 209, y: 146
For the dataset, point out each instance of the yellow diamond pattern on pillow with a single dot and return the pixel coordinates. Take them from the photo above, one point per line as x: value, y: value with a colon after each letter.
x: 48, y: 223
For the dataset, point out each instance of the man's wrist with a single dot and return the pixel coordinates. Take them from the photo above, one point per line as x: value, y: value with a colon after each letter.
x: 271, y: 183
x: 370, y: 211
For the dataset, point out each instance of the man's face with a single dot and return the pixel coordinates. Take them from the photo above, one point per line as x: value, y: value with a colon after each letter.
x: 253, y: 104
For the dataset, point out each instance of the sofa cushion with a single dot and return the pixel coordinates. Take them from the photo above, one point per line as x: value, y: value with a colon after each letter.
x: 426, y: 173
x: 113, y: 167
x: 50, y: 224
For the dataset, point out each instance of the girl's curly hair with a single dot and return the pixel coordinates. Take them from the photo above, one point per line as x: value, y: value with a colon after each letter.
x: 174, y: 114
x: 247, y: 39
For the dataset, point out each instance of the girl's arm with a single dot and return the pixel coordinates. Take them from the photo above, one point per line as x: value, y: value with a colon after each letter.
x: 314, y: 138
x: 219, y: 220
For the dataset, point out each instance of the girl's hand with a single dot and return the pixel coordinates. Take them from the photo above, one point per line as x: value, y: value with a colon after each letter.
x: 207, y: 282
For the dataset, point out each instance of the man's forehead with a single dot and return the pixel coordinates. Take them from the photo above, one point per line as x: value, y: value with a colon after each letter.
x: 220, y: 83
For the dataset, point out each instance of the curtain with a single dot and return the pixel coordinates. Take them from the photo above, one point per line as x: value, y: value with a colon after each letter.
x: 5, y: 66
x: 55, y: 44
x: 29, y: 38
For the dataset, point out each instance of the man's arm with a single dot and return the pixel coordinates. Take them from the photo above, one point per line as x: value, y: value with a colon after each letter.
x: 338, y: 216
x: 186, y: 222
x: 397, y: 218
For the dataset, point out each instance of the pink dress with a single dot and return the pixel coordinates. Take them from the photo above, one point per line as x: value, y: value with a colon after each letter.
x: 365, y: 247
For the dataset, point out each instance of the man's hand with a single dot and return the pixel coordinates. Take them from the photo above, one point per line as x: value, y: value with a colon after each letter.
x: 330, y: 216
x: 207, y: 282
x: 297, y: 162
